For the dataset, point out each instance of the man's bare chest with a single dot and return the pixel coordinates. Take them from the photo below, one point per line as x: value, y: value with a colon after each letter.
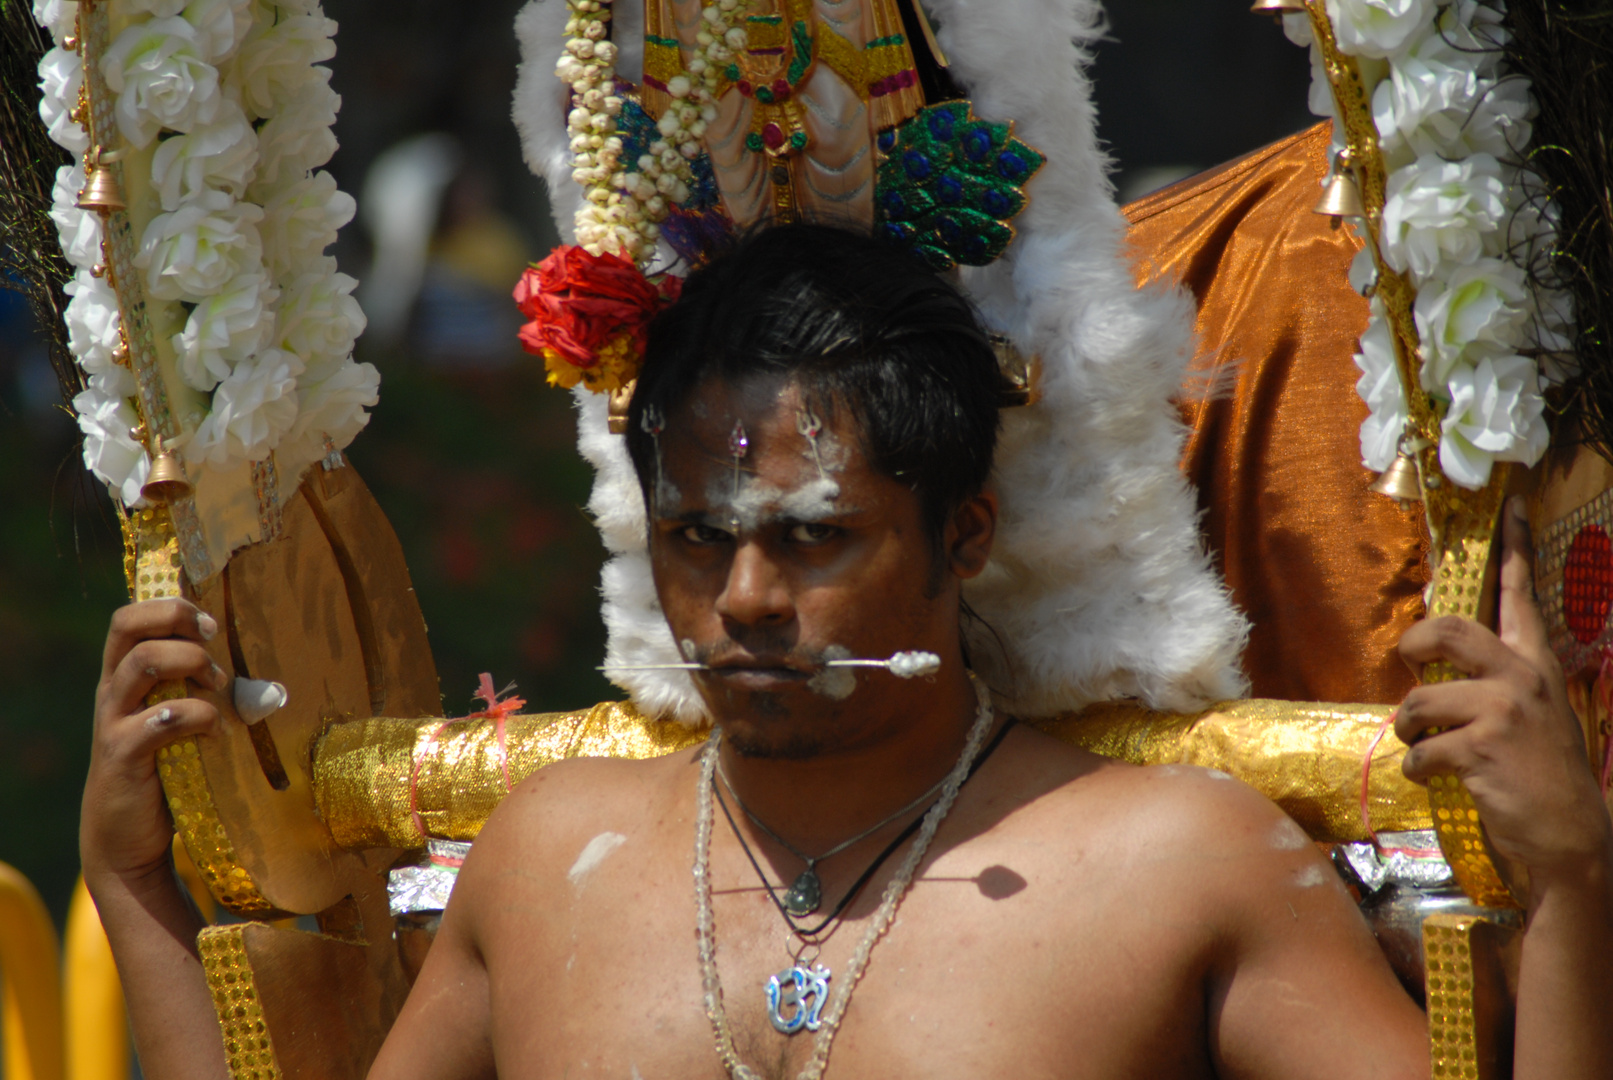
x: 987, y: 970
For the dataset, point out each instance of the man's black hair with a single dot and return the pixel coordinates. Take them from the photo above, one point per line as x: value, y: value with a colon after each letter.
x: 862, y: 325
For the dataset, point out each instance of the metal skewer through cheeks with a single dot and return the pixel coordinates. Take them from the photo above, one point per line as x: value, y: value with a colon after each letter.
x: 904, y: 665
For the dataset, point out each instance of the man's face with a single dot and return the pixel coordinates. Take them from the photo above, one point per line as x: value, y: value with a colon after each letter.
x: 800, y: 554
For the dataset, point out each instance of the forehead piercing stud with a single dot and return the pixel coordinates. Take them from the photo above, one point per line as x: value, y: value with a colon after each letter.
x: 904, y: 665
x: 808, y: 424
x: 738, y: 446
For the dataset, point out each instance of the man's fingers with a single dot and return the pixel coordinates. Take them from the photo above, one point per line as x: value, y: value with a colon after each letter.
x: 1437, y: 755
x: 1442, y: 705
x: 1520, y: 623
x: 152, y: 662
x: 135, y: 623
x: 1464, y: 644
x: 143, y: 733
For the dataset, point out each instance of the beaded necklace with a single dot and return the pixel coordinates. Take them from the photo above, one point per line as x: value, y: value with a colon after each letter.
x: 815, y: 980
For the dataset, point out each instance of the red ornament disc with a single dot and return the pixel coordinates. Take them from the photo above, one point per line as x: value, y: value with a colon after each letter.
x: 1588, y: 584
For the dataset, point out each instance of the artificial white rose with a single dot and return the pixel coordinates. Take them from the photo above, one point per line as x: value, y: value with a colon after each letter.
x: 92, y: 322
x: 193, y: 252
x: 299, y: 137
x: 78, y: 230
x: 1377, y: 27
x: 57, y: 16
x: 111, y: 451
x: 161, y: 79
x: 1435, y: 102
x: 1477, y: 310
x: 216, y: 156
x: 277, y: 59
x: 1319, y: 97
x: 221, y: 25
x: 1437, y: 211
x: 1475, y: 29
x: 1551, y: 331
x: 1482, y: 311
x: 224, y: 329
x: 1531, y: 235
x: 330, y: 413
x: 320, y: 320
x: 252, y: 409
x: 1363, y: 273
x: 158, y: 9
x: 300, y: 221
x: 1495, y: 414
x: 1380, y: 387
x: 61, y: 74
x: 1297, y: 29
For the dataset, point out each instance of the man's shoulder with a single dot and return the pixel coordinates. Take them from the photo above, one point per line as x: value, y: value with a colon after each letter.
x: 1164, y: 817
x: 539, y: 828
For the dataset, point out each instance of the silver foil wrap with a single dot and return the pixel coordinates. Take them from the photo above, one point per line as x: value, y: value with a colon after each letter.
x: 426, y: 885
x: 1397, y: 859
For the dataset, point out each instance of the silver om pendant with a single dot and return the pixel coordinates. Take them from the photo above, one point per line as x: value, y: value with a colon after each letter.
x: 795, y: 998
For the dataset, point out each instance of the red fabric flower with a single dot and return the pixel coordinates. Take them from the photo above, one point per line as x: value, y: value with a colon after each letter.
x: 578, y: 302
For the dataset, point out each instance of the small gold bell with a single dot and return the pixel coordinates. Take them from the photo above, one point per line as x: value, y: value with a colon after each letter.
x: 1399, y: 481
x: 1277, y: 7
x: 167, y: 482
x: 616, y: 410
x: 102, y: 192
x: 1342, y: 196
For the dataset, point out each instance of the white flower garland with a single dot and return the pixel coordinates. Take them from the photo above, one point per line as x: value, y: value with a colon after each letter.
x: 622, y: 209
x: 243, y: 115
x: 1459, y: 221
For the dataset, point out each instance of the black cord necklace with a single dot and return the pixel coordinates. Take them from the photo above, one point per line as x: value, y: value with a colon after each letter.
x: 857, y: 887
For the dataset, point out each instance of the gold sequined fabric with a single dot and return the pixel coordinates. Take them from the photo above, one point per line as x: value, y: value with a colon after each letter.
x: 247, y: 1042
x: 364, y: 769
x: 1306, y: 757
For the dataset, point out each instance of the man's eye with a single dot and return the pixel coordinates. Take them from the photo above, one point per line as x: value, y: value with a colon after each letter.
x: 704, y: 534
x: 811, y: 532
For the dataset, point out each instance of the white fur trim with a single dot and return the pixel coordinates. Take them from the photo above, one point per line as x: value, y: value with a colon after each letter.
x: 1098, y: 587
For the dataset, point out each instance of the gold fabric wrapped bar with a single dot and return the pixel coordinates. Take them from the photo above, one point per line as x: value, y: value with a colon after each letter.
x: 1304, y: 756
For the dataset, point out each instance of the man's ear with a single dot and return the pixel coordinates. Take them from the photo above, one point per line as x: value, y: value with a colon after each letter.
x: 970, y: 534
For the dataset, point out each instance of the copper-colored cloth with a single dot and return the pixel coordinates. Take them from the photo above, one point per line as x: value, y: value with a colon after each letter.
x: 1329, y: 573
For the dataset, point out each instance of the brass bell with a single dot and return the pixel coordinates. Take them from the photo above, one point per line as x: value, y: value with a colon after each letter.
x: 617, y: 406
x: 167, y: 482
x: 1399, y: 481
x: 1277, y: 7
x: 1342, y: 196
x: 102, y: 192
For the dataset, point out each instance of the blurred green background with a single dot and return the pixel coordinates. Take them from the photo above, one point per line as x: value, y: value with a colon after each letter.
x: 470, y: 455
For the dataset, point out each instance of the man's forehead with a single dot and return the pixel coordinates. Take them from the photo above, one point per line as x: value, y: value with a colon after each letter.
x: 773, y: 410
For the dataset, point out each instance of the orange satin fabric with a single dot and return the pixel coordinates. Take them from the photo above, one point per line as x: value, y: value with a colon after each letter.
x: 1329, y: 573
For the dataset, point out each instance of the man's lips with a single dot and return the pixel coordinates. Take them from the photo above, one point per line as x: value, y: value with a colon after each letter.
x: 760, y: 669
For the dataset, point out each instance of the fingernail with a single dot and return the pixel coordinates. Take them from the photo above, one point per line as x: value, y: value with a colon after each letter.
x: 220, y: 679
x: 1520, y: 508
x: 207, y: 625
x: 162, y: 718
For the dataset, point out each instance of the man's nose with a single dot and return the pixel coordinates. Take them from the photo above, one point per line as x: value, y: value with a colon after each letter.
x: 756, y: 593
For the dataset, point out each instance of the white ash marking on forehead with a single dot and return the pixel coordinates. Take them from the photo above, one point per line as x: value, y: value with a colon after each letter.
x: 760, y: 503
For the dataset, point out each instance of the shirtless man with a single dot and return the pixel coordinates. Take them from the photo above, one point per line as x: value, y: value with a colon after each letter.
x: 1073, y: 916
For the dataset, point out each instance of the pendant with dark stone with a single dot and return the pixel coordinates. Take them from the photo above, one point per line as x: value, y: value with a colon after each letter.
x: 804, y: 894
